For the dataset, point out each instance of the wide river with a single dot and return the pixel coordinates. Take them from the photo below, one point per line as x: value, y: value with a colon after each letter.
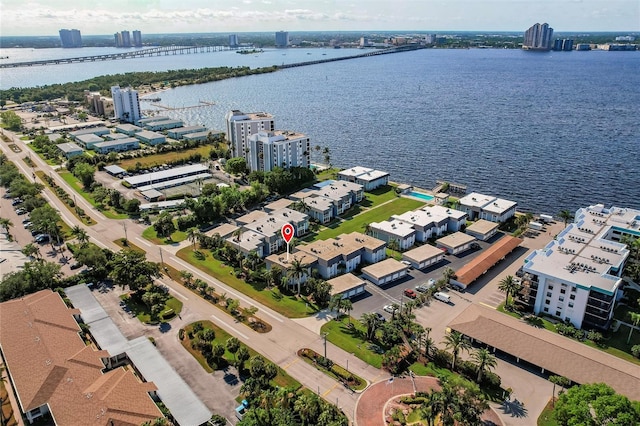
x: 550, y: 130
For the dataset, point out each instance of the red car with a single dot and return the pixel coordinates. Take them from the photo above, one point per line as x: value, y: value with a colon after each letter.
x: 410, y: 293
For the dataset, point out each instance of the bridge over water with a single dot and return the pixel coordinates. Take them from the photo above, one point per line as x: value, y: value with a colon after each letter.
x: 154, y: 51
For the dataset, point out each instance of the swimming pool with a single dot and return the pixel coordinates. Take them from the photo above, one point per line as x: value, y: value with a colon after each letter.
x: 422, y: 196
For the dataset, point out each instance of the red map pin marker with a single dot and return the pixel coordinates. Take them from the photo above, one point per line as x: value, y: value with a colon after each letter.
x: 287, y: 232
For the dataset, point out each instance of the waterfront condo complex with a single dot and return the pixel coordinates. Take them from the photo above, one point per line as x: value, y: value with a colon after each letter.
x: 278, y: 148
x: 240, y: 126
x: 126, y: 104
x: 538, y: 37
x: 577, y: 277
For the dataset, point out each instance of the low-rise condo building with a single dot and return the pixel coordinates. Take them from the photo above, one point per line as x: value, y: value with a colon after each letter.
x: 370, y: 179
x: 384, y: 272
x: 401, y: 232
x: 482, y: 229
x: 455, y: 243
x: 423, y: 256
x: 577, y: 277
x: 488, y: 207
x: 150, y: 138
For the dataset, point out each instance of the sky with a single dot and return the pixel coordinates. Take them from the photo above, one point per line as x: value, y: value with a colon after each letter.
x: 46, y: 17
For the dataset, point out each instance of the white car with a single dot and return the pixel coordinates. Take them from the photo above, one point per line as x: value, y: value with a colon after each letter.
x: 389, y: 308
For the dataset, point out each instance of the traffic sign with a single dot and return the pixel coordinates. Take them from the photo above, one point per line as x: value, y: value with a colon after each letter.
x: 287, y: 232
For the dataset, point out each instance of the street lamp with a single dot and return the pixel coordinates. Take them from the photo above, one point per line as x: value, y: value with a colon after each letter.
x: 324, y: 336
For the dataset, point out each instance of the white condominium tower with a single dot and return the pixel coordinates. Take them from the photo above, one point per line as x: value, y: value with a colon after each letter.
x: 280, y: 148
x: 538, y: 37
x: 126, y: 104
x: 240, y: 126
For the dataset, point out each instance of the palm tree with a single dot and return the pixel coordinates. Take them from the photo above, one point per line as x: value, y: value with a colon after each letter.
x: 371, y: 322
x: 348, y: 307
x: 635, y: 320
x: 192, y: 235
x: 448, y: 274
x: 186, y: 278
x: 560, y: 381
x: 30, y: 250
x: 237, y: 234
x: 566, y: 216
x: 232, y: 345
x: 485, y: 361
x: 457, y: 343
x: 509, y: 286
x: 296, y: 271
x: 6, y: 224
x: 80, y: 234
x: 301, y: 206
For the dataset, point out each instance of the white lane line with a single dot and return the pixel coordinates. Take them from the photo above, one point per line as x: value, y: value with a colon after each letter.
x: 239, y: 296
x: 143, y: 242
x: 244, y: 336
x: 180, y: 295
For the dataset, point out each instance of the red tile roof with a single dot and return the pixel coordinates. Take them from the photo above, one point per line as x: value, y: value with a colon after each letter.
x: 50, y: 364
x: 487, y: 259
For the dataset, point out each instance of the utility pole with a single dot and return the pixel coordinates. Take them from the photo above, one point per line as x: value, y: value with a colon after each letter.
x: 124, y: 225
x: 161, y: 259
x: 324, y: 336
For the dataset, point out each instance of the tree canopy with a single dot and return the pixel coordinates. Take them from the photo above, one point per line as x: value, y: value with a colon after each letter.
x: 596, y: 404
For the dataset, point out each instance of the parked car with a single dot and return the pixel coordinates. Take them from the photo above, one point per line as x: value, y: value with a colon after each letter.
x: 443, y: 297
x: 76, y: 266
x: 27, y: 224
x: 389, y: 308
x: 422, y: 288
x: 380, y: 317
x: 16, y: 201
x: 42, y: 238
x: 7, y: 196
x: 410, y: 293
x: 406, y: 262
x: 21, y: 211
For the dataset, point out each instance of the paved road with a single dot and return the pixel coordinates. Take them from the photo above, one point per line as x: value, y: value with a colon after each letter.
x: 287, y: 336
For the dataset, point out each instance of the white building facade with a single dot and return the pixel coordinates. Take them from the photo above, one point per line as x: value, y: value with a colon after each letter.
x: 126, y: 104
x: 240, y: 126
x: 280, y: 148
x: 577, y: 276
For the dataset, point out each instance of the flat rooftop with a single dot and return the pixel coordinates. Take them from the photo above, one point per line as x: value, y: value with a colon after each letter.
x: 439, y: 212
x: 384, y: 268
x: 279, y: 204
x: 499, y: 206
x: 476, y: 200
x: 394, y: 227
x: 224, y: 230
x: 422, y: 253
x: 166, y: 174
x: 482, y: 226
x: 419, y: 218
x: 148, y: 134
x: 457, y: 239
x: 116, y: 142
x: 282, y: 262
x: 345, y: 283
x: 252, y: 216
x: 363, y: 173
x: 367, y: 241
x: 553, y: 352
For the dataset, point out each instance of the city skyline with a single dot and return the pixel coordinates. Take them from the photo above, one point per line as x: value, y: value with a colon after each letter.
x: 41, y: 17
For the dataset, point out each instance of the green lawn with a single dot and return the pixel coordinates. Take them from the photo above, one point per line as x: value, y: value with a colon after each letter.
x: 378, y: 214
x: 151, y: 235
x: 546, y: 417
x: 378, y: 196
x: 141, y: 311
x: 221, y: 337
x: 77, y: 186
x: 160, y: 159
x: 331, y: 173
x: 289, y: 306
x: 349, y: 340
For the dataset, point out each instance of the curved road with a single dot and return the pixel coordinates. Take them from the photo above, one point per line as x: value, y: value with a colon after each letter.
x: 279, y: 345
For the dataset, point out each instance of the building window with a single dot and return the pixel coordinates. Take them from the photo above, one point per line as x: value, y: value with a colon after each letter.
x: 563, y: 291
x: 546, y: 309
x: 548, y: 294
x: 550, y: 287
x: 572, y: 297
x: 571, y: 304
x: 558, y: 313
x: 546, y: 302
x: 574, y: 289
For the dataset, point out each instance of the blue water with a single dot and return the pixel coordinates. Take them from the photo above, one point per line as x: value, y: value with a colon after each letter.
x: 550, y: 130
x: 422, y: 196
